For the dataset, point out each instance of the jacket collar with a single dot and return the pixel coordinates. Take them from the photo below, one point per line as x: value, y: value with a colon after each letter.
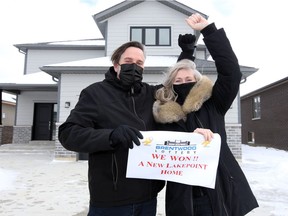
x: 171, y: 111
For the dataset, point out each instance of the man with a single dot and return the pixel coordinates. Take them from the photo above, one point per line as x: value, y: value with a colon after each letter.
x: 104, y: 123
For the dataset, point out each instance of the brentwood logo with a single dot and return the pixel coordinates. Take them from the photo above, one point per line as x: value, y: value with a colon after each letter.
x: 176, y: 147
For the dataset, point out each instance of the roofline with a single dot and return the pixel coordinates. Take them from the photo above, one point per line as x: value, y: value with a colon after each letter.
x: 266, y: 87
x: 16, y: 88
x: 204, y: 66
x: 101, y: 17
x: 53, y: 46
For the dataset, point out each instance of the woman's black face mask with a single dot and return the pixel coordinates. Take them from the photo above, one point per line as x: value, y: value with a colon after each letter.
x: 130, y: 74
x: 182, y: 91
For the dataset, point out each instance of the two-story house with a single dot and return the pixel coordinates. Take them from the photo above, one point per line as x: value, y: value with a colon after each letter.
x: 264, y: 115
x: 74, y: 65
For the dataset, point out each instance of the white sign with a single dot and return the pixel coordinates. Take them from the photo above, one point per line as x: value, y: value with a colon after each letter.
x: 175, y: 156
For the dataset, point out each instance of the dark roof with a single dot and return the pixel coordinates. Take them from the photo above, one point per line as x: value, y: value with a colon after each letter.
x: 101, y: 17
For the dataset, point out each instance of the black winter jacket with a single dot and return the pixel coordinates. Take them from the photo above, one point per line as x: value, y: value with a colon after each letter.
x: 102, y: 107
x: 205, y: 107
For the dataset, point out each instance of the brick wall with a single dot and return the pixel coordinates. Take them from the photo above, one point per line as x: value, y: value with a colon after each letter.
x: 1, y: 129
x: 7, y: 135
x: 270, y: 130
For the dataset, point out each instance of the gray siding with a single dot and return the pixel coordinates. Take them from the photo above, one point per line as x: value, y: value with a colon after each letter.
x: 39, y: 58
x: 147, y: 14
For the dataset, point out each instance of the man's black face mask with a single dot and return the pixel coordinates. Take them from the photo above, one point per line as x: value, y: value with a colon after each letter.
x: 130, y: 74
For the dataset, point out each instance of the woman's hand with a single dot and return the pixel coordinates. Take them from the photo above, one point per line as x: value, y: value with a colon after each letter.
x: 197, y: 22
x: 207, y: 133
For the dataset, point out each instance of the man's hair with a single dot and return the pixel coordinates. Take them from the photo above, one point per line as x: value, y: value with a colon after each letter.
x: 115, y: 58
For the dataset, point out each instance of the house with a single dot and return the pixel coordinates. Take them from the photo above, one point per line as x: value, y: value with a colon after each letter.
x: 74, y: 65
x: 7, y: 108
x: 264, y: 115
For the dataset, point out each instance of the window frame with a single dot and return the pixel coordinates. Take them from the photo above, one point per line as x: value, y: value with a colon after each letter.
x: 157, y: 35
x: 251, y: 137
x: 256, y: 107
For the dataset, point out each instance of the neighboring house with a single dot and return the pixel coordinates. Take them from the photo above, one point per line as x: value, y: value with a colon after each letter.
x: 74, y: 65
x: 264, y: 116
x: 7, y: 120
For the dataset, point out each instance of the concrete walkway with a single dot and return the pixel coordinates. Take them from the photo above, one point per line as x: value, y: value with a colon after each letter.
x: 32, y: 183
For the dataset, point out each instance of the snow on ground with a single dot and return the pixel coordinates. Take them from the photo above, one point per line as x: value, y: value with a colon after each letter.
x: 267, y: 170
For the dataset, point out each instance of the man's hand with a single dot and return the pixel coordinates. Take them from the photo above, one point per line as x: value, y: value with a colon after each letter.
x: 124, y: 136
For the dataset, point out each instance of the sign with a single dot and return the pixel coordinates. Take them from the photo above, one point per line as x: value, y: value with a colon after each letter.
x: 175, y: 156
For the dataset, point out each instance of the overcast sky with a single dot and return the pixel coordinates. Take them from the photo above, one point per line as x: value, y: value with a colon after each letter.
x: 256, y: 29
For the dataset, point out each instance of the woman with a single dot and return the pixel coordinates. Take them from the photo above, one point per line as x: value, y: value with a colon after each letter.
x: 189, y: 101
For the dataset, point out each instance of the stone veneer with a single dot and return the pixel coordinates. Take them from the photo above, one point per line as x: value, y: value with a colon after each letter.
x: 22, y: 134
x: 60, y: 152
x: 233, y: 132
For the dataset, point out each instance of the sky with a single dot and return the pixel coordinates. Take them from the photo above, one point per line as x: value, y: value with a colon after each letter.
x: 265, y: 169
x: 256, y: 30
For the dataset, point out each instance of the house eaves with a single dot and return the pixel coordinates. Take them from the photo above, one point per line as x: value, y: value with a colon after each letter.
x: 18, y: 88
x: 266, y: 87
x: 101, y: 17
x: 91, y: 44
x: 153, y: 65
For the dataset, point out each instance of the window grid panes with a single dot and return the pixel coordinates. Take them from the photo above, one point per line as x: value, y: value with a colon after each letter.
x: 151, y: 36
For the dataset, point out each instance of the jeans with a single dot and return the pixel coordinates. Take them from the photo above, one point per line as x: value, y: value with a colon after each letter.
x: 141, y: 209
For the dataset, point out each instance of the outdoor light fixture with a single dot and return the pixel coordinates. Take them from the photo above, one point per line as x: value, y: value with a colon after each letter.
x: 67, y: 104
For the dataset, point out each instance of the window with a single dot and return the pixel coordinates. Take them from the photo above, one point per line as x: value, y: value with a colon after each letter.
x: 251, y: 138
x: 256, y: 108
x: 151, y: 36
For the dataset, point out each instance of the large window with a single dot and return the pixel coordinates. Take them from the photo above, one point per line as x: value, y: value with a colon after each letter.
x: 256, y: 108
x: 151, y: 36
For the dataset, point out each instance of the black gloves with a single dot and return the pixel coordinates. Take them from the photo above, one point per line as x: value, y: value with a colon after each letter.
x: 125, y: 135
x: 187, y: 44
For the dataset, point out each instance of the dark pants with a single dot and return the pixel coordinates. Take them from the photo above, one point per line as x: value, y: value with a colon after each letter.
x: 202, y: 206
x: 141, y: 209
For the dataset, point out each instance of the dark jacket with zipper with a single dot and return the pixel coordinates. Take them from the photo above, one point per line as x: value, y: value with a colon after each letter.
x: 205, y: 107
x: 102, y: 107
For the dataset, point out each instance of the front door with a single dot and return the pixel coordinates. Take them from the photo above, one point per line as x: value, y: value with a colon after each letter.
x: 43, y: 121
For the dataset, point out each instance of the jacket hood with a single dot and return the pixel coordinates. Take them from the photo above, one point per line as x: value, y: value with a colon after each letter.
x: 171, y: 111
